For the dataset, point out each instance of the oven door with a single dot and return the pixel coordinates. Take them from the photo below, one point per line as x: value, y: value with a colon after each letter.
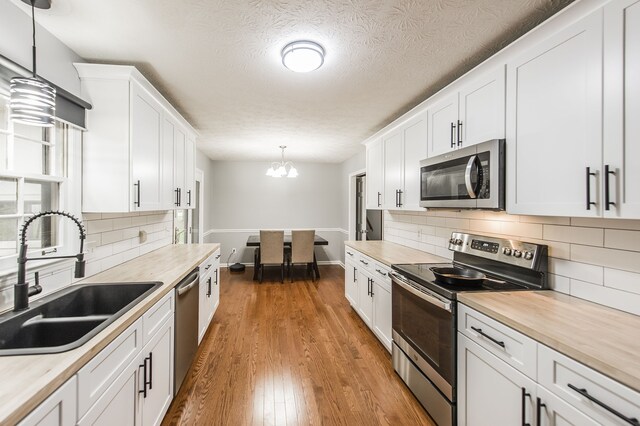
x: 424, y: 328
x: 467, y: 178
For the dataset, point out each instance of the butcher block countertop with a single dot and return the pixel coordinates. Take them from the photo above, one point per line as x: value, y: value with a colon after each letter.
x: 392, y: 253
x: 27, y: 380
x: 602, y: 338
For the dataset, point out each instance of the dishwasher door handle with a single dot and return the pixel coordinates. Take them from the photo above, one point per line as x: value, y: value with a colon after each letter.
x: 188, y: 285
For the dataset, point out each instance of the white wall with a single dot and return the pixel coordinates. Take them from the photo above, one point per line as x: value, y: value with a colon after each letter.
x: 349, y: 166
x: 204, y: 163
x: 245, y: 200
x: 594, y: 259
x: 55, y: 60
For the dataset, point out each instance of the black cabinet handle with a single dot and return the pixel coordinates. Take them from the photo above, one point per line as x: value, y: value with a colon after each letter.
x: 216, y: 281
x: 349, y: 253
x: 143, y: 391
x: 209, y: 287
x: 400, y: 192
x: 355, y: 276
x: 583, y: 392
x: 137, y: 202
x: 539, y: 405
x: 525, y: 394
x: 177, y: 191
x: 189, y: 198
x: 218, y: 256
x: 589, y: 202
x: 363, y: 262
x: 379, y: 203
x: 453, y: 128
x: 372, y: 293
x: 459, y: 133
x: 480, y: 332
x: 150, y: 370
x: 607, y: 201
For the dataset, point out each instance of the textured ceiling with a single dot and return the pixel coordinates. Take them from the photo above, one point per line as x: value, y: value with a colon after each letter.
x: 218, y: 61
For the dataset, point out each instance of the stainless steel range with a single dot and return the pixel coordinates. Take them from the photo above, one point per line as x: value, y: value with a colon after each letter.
x: 424, y: 310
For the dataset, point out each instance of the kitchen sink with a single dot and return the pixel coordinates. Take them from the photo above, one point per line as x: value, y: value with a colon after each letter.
x: 68, y: 318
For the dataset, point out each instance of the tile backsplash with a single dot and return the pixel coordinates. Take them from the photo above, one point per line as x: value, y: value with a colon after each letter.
x: 594, y: 259
x: 112, y: 238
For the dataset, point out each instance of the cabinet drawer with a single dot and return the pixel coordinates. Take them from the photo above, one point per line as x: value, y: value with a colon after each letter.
x: 366, y: 263
x: 99, y: 373
x: 207, y: 265
x: 351, y: 255
x: 504, y: 342
x: 568, y: 379
x: 156, y: 315
x: 381, y: 274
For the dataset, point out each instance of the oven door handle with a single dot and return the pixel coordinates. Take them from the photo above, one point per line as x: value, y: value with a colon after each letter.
x: 473, y: 191
x: 401, y: 281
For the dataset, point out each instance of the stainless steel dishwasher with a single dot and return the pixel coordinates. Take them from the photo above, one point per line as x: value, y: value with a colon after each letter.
x: 186, y: 327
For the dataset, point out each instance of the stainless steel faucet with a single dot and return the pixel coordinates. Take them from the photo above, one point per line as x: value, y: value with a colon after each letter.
x: 21, y: 290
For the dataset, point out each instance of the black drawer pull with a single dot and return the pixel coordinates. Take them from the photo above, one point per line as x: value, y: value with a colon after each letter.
x: 480, y: 332
x: 583, y: 392
x: 366, y: 263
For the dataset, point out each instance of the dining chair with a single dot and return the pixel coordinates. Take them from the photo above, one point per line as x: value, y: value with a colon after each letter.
x: 302, y: 251
x: 271, y: 251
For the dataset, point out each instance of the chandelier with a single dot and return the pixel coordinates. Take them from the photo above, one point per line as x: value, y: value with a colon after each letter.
x: 283, y: 168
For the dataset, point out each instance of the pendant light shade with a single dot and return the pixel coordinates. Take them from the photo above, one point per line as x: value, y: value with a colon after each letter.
x: 278, y: 170
x: 33, y: 101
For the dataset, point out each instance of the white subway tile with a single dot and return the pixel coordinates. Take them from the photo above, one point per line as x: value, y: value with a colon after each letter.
x: 111, y: 261
x: 96, y: 226
x: 429, y: 248
x: 559, y: 283
x: 122, y: 222
x: 485, y: 226
x: 526, y: 230
x: 443, y: 252
x: 617, y: 299
x: 459, y: 224
x: 606, y: 223
x: 91, y: 216
x: 624, y: 240
x: 622, y: 280
x: 138, y: 220
x: 581, y: 271
x: 437, y: 221
x: 121, y: 246
x: 112, y: 236
x: 130, y: 233
x: 617, y: 259
x: 131, y: 254
x: 547, y: 220
x: 574, y: 234
x: 99, y: 252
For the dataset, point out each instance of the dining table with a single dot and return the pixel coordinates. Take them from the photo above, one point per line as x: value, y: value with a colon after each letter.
x: 254, y: 241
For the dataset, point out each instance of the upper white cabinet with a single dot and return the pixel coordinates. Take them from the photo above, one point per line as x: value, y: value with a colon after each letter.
x: 475, y: 113
x: 621, y: 147
x: 375, y: 174
x: 403, y: 150
x: 129, y: 154
x: 554, y: 123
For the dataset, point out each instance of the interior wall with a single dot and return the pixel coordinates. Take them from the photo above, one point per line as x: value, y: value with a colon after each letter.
x: 204, y: 163
x: 55, y: 60
x: 245, y: 200
x: 594, y: 259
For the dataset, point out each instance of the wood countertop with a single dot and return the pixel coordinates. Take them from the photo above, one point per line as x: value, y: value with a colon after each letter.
x: 392, y: 253
x: 602, y: 338
x: 27, y: 380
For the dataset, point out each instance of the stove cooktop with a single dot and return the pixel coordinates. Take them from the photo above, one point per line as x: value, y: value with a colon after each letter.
x: 420, y: 274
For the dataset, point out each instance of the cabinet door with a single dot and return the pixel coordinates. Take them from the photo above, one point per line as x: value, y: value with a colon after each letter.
x: 555, y: 412
x: 203, y: 306
x: 168, y: 164
x: 375, y: 175
x: 59, y: 409
x: 622, y: 106
x: 443, y: 121
x: 159, y: 363
x: 415, y: 150
x: 382, y: 313
x: 490, y: 392
x: 190, y: 172
x: 554, y: 116
x: 351, y: 283
x: 482, y: 108
x: 146, y: 151
x: 392, y: 169
x: 365, y: 302
x: 179, y: 150
x: 215, y: 289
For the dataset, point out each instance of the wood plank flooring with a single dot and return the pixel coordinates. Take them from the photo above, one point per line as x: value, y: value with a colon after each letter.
x: 294, y: 354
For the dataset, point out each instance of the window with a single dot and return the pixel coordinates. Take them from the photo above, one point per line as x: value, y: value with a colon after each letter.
x: 34, y: 173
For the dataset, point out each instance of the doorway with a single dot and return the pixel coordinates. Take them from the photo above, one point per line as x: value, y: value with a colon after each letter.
x: 363, y: 224
x: 187, y: 224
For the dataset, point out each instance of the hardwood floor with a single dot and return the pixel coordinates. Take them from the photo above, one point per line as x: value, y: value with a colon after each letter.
x: 292, y: 353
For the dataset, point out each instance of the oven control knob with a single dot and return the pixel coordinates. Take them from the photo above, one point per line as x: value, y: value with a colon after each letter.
x: 452, y: 241
x: 528, y: 255
x: 458, y: 242
x: 506, y: 251
x: 517, y: 253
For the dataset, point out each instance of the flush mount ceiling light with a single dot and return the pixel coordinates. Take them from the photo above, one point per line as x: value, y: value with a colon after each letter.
x: 33, y: 101
x: 280, y: 169
x: 302, y: 56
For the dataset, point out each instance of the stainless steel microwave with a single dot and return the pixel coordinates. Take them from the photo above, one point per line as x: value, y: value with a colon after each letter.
x: 467, y: 178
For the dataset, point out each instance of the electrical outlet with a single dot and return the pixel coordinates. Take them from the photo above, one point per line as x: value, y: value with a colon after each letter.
x: 233, y: 251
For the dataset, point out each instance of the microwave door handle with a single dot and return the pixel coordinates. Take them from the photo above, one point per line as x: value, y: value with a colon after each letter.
x: 473, y: 192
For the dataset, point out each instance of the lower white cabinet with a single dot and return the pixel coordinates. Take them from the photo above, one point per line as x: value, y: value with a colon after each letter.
x: 209, y: 292
x: 368, y: 289
x: 492, y: 390
x: 57, y: 410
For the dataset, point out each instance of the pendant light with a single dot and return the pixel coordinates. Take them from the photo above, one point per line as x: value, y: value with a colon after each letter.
x: 33, y: 101
x: 278, y: 170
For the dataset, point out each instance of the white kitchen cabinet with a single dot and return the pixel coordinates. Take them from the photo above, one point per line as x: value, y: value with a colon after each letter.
x: 131, y: 141
x: 375, y: 174
x: 59, y: 409
x: 393, y: 169
x: 209, y: 292
x: 381, y: 320
x: 555, y: 412
x: 190, y: 170
x: 365, y: 301
x: 554, y: 122
x: 351, y: 281
x: 475, y: 113
x: 490, y: 392
x: 621, y: 147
